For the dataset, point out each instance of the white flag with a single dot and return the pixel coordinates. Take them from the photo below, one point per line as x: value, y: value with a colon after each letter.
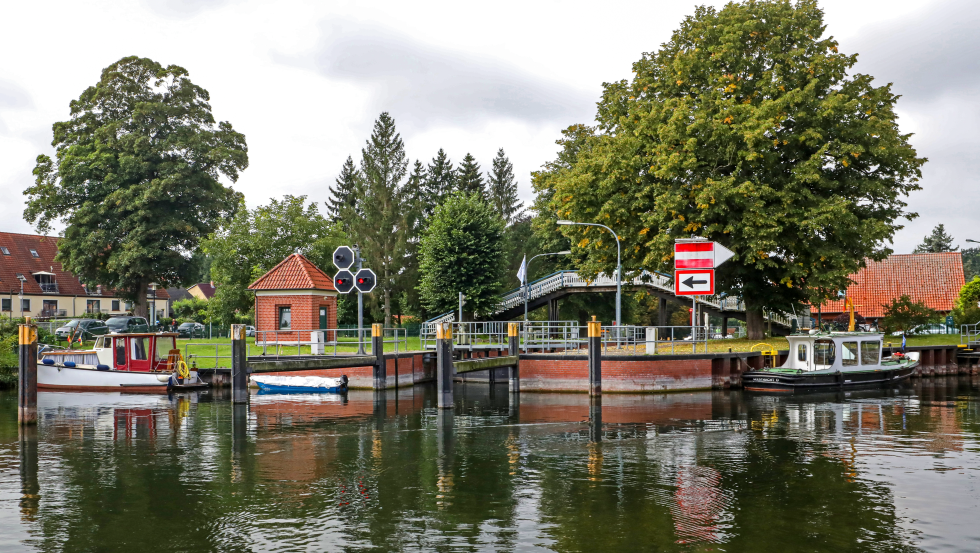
x: 522, y: 272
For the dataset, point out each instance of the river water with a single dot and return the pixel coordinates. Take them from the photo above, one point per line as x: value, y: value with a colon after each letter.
x: 705, y: 471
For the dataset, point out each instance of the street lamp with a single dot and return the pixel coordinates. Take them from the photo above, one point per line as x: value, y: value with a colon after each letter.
x: 153, y: 315
x: 527, y: 272
x: 619, y: 266
x: 20, y: 298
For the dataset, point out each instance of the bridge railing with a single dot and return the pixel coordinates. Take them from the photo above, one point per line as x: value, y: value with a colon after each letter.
x: 969, y: 333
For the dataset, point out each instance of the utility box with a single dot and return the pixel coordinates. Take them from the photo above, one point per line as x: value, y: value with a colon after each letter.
x: 651, y: 340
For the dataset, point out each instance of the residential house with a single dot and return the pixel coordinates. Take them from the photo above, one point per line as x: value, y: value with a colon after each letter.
x: 932, y: 278
x: 33, y: 284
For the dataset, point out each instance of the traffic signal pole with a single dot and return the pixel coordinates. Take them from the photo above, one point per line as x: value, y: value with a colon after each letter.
x: 360, y: 307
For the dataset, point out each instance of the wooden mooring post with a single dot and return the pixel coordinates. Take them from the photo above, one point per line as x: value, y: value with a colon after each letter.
x: 239, y: 365
x: 444, y: 365
x: 27, y: 374
x: 513, y: 349
x: 595, y: 358
x: 378, y: 351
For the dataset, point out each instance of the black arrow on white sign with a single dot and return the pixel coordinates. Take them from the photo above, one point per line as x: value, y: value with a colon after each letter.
x: 690, y: 282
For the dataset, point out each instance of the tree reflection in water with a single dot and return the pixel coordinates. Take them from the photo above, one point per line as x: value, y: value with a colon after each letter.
x: 554, y: 471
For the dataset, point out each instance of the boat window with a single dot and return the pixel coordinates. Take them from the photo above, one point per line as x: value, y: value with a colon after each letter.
x: 164, y: 345
x: 849, y: 354
x: 121, y: 351
x: 801, y: 353
x: 138, y: 348
x: 823, y: 352
x: 870, y: 353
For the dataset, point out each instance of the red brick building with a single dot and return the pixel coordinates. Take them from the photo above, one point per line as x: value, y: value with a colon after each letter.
x: 295, y: 295
x: 932, y: 278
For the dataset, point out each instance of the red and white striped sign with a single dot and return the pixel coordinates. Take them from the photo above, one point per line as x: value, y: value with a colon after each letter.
x: 700, y: 254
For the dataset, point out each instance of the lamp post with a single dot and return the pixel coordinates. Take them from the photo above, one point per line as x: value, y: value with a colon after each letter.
x: 619, y: 267
x: 527, y: 283
x: 20, y: 298
x: 153, y: 314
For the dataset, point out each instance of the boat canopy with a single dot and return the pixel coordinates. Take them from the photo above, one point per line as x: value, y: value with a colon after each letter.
x: 834, y: 350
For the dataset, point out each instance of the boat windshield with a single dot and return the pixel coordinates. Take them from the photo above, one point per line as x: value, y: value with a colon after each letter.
x: 870, y: 352
x: 823, y: 352
x: 163, y: 346
x: 849, y: 354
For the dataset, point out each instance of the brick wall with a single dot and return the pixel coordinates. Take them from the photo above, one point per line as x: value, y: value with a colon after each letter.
x: 553, y: 373
x: 304, y: 310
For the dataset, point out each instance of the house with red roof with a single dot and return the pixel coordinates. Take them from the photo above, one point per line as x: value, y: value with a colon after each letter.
x: 933, y: 278
x: 294, y: 296
x: 33, y: 284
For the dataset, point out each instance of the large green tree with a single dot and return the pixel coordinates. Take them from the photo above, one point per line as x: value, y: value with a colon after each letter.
x: 462, y: 251
x: 502, y: 189
x: 745, y: 128
x: 936, y: 242
x: 136, y: 180
x: 343, y: 202
x: 257, y: 240
x: 469, y: 179
x: 381, y: 226
x: 440, y: 180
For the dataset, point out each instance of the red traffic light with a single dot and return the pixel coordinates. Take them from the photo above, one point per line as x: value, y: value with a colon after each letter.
x: 343, y: 281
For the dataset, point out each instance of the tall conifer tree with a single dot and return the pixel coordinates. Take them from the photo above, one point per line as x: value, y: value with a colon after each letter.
x: 439, y: 182
x: 380, y: 226
x: 502, y: 189
x: 468, y: 178
x: 342, y: 204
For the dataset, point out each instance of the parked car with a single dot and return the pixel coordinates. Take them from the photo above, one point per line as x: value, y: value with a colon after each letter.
x: 250, y: 331
x: 86, y: 328
x: 119, y: 325
x: 191, y: 330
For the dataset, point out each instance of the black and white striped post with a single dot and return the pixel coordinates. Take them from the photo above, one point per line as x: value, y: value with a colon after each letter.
x: 595, y: 358
x: 378, y: 350
x: 513, y: 345
x: 239, y: 365
x: 27, y: 374
x: 444, y: 364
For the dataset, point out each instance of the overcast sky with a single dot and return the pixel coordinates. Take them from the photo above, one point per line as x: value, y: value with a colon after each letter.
x: 304, y: 80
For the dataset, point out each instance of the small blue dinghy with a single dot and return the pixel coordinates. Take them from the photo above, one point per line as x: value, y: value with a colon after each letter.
x: 300, y: 384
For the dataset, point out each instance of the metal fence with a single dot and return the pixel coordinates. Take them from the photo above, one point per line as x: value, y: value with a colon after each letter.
x: 969, y: 333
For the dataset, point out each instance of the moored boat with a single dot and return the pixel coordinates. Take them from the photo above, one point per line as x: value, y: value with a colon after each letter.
x: 832, y: 360
x: 137, y: 362
x: 300, y: 384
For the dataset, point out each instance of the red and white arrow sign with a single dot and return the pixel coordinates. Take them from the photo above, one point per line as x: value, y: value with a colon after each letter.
x: 700, y: 254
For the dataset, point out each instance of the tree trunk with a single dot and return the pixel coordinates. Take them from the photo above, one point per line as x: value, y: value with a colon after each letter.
x: 754, y: 322
x: 140, y: 305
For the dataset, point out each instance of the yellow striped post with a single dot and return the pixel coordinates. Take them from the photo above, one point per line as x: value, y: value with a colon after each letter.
x: 444, y: 365
x: 595, y: 357
x: 513, y: 347
x: 27, y: 374
x: 378, y: 350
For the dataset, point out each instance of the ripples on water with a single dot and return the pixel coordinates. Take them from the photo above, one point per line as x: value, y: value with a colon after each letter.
x: 710, y: 471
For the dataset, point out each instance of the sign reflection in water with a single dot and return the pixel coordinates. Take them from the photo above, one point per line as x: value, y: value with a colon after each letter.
x: 554, y: 471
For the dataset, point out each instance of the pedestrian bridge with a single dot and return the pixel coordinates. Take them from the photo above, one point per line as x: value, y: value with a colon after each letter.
x: 548, y: 290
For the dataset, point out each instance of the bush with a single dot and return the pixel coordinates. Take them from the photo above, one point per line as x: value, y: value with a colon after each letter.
x: 967, y: 311
x: 907, y: 316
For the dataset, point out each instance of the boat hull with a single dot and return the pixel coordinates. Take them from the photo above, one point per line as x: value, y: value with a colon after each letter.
x: 774, y: 382
x: 277, y: 389
x: 54, y: 377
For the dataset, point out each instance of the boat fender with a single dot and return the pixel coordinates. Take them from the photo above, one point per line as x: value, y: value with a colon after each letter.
x: 70, y: 364
x: 102, y: 367
x: 163, y: 377
x: 343, y: 380
x: 47, y: 361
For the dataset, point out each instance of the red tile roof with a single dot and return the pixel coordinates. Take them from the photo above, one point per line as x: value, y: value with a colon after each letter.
x: 294, y: 273
x: 933, y: 278
x: 21, y: 261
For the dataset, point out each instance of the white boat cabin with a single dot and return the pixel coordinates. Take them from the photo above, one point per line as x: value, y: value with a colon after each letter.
x: 833, y: 351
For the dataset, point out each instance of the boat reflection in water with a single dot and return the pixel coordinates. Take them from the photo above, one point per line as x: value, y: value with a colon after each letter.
x: 708, y: 470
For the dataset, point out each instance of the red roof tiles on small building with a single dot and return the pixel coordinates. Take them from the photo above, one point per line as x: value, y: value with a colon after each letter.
x: 17, y: 257
x: 294, y: 273
x: 933, y: 278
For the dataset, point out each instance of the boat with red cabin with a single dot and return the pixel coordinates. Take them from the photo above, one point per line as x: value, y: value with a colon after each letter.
x: 134, y: 362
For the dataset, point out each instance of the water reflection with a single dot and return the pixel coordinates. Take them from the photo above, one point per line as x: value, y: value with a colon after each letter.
x: 871, y: 471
